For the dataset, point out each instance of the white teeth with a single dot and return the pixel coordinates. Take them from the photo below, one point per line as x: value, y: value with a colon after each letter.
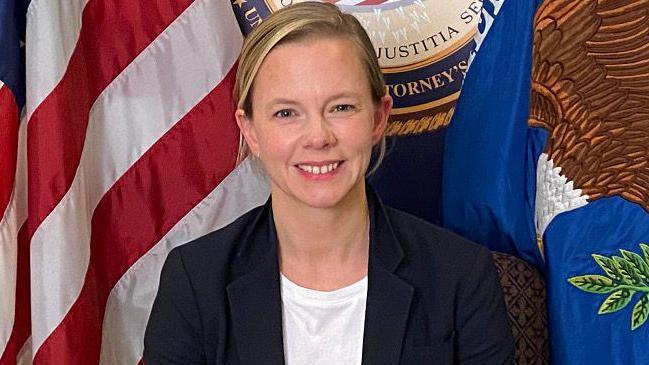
x: 318, y: 170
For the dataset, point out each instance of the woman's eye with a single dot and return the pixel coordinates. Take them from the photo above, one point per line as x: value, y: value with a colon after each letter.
x: 284, y: 113
x: 344, y: 108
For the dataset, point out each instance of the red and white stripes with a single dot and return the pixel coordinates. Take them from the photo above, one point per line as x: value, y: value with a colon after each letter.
x: 12, y: 209
x: 131, y: 146
x: 9, y: 143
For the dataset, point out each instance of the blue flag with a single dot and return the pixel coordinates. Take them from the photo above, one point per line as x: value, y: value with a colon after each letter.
x: 548, y: 159
x: 488, y: 189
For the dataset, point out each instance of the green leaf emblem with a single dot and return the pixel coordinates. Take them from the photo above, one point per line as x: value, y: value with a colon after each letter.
x: 640, y: 312
x: 639, y: 265
x: 608, y: 265
x: 629, y: 274
x: 645, y: 251
x: 593, y: 283
x: 616, y: 301
x: 626, y: 276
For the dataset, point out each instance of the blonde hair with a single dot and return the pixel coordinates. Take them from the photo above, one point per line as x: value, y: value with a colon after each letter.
x: 296, y: 23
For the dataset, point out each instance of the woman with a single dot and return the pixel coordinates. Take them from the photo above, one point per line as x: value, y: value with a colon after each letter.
x: 323, y: 273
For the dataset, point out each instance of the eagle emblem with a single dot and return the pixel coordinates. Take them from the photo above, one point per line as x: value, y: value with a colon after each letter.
x: 590, y: 91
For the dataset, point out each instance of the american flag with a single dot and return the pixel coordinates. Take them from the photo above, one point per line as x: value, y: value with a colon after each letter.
x: 127, y: 149
x: 12, y: 200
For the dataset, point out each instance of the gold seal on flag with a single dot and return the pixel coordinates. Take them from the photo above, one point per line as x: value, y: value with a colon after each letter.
x: 423, y: 47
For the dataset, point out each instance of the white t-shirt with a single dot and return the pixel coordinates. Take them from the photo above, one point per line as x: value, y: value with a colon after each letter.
x: 323, y: 328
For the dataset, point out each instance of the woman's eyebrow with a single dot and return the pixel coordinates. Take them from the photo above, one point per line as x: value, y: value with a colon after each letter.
x: 282, y: 100
x: 344, y: 94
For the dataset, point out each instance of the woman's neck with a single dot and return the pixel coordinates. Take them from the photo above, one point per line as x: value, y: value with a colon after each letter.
x: 323, y: 248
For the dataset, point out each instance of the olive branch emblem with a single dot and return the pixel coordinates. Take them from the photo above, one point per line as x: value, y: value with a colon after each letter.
x: 626, y: 275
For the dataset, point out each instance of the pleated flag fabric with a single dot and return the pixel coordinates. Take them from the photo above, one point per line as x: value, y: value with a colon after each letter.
x: 129, y: 151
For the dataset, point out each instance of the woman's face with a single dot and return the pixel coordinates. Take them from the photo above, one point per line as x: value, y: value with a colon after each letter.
x: 314, y: 122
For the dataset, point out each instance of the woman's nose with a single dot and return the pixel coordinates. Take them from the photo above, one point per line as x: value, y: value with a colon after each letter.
x: 320, y: 135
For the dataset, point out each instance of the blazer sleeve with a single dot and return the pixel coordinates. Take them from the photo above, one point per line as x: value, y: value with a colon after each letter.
x: 484, y: 334
x: 173, y: 333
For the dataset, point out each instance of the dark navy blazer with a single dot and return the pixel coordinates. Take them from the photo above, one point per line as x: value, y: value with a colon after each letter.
x: 433, y: 297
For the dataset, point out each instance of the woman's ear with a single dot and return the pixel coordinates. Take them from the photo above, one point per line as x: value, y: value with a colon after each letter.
x: 381, y: 116
x: 247, y: 128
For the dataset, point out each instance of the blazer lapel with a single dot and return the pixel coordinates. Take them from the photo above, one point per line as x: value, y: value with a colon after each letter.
x: 388, y: 297
x: 254, y: 298
x: 256, y: 307
x: 256, y: 310
x: 386, y: 316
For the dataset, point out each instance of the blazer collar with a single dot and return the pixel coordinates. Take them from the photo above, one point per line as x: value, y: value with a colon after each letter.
x: 255, y: 302
x: 254, y: 297
x: 388, y: 297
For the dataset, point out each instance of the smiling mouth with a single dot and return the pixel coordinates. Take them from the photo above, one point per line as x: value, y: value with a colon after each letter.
x: 321, y: 169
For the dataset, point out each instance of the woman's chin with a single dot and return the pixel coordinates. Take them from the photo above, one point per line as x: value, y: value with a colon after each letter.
x: 319, y: 194
x: 321, y: 200
x: 329, y: 197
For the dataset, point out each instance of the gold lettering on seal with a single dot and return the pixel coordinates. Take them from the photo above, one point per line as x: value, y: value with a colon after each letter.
x: 436, y: 81
x: 255, y: 19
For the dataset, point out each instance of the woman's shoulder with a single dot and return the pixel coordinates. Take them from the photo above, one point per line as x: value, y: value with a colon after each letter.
x: 218, y: 246
x: 439, y: 263
x: 431, y: 242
